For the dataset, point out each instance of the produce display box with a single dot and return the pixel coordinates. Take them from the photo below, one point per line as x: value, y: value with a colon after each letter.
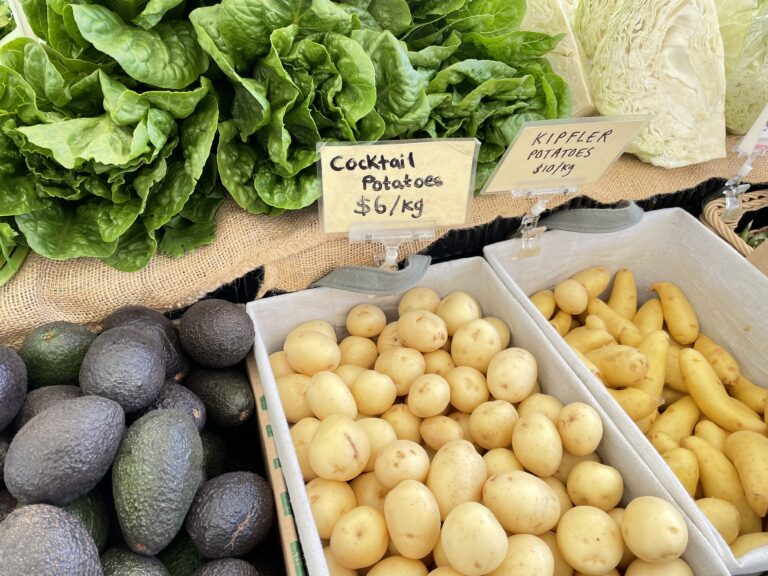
x: 294, y: 562
x: 274, y: 317
x: 729, y: 295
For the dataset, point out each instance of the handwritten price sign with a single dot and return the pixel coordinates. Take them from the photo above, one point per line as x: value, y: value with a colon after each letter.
x: 397, y: 182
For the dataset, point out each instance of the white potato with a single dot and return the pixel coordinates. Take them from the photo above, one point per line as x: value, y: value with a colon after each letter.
x: 527, y: 555
x: 398, y: 566
x: 422, y: 330
x: 348, y: 373
x: 340, y: 449
x: 654, y: 529
x: 628, y: 556
x: 403, y: 365
x: 580, y: 428
x: 512, y: 375
x: 458, y: 308
x: 329, y: 500
x: 561, y: 492
x: 571, y: 297
x: 413, y: 519
x: 406, y: 424
x: 675, y: 567
x: 568, y: 461
x: 380, y: 433
x: 561, y: 567
x: 468, y: 388
x: 419, y: 298
x: 316, y: 326
x: 334, y: 568
x: 457, y: 475
x: 389, y: 338
x: 595, y: 484
x: 444, y: 571
x: 523, y: 503
x: 464, y: 421
x: 366, y: 320
x: 369, y: 491
x: 537, y: 444
x: 501, y: 327
x: 544, y: 403
x: 439, y: 556
x: 301, y: 435
x: 359, y: 351
x: 309, y: 352
x: 439, y: 430
x: 401, y: 460
x: 429, y: 395
x: 374, y: 392
x: 360, y: 538
x: 279, y: 364
x: 292, y: 389
x: 438, y: 362
x: 473, y: 540
x: 492, y: 424
x: 475, y: 343
x: 498, y: 460
x: 589, y: 540
x: 328, y: 394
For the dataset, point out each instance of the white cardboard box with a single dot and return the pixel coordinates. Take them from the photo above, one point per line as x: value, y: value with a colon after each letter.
x: 275, y: 317
x: 729, y: 295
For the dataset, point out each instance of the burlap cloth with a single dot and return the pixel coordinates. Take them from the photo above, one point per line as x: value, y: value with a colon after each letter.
x: 291, y: 248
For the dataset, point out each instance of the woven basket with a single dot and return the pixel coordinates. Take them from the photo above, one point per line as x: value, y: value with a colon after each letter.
x: 751, y: 201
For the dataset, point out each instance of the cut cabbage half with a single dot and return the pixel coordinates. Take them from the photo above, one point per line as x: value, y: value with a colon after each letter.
x: 665, y: 58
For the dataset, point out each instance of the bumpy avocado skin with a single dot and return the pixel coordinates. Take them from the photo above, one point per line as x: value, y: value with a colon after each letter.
x: 54, y: 352
x: 13, y: 385
x: 43, y: 398
x: 216, y: 333
x: 123, y: 562
x: 226, y: 393
x: 227, y: 567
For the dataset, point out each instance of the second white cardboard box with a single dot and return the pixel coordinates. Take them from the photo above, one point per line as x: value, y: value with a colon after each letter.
x: 274, y: 317
x: 729, y: 295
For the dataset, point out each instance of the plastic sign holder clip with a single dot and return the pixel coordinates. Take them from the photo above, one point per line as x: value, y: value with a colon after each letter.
x: 530, y: 232
x: 753, y: 145
x: 391, y: 237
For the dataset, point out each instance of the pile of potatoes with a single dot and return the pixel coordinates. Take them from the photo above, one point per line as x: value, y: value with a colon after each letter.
x: 685, y: 392
x: 428, y: 448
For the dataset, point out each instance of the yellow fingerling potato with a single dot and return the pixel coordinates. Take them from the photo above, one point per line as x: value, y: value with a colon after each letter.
x: 595, y: 280
x: 712, y: 399
x: 746, y: 542
x: 678, y: 420
x: 723, y: 515
x: 561, y: 322
x: 544, y: 300
x: 614, y: 323
x: 662, y: 441
x: 636, y: 403
x: 585, y: 340
x: 671, y: 396
x: 649, y: 317
x: 754, y: 396
x: 593, y: 322
x: 720, y: 479
x: 619, y: 365
x: 684, y: 464
x: 655, y: 346
x: 672, y: 376
x: 725, y: 365
x: 712, y: 433
x: 749, y: 453
x: 682, y: 323
x: 623, y: 298
x: 644, y: 424
x: 588, y: 363
x: 571, y: 297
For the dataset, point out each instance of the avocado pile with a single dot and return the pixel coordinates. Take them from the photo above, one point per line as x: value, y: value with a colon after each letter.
x: 134, y: 452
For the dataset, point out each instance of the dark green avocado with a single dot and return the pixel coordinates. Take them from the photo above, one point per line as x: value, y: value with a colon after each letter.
x: 226, y: 394
x: 124, y: 365
x: 123, y: 562
x: 216, y: 333
x: 214, y: 453
x: 62, y: 453
x: 227, y: 567
x: 13, y: 385
x: 154, y: 324
x: 43, y: 540
x: 231, y: 514
x: 180, y: 557
x: 174, y: 396
x: 91, y: 510
x: 42, y: 399
x: 53, y: 353
x: 156, y: 473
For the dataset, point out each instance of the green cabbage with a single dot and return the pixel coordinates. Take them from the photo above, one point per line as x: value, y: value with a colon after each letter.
x: 665, y: 58
x: 744, y: 26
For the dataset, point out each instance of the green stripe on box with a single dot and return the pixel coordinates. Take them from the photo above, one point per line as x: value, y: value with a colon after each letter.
x: 286, y: 502
x: 276, y: 463
x: 269, y: 430
x: 298, y: 560
x: 263, y: 402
